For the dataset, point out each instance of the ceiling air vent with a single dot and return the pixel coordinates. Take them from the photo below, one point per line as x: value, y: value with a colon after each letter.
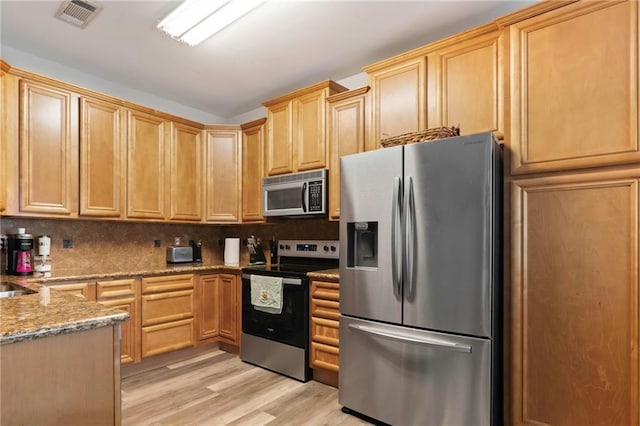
x: 78, y: 12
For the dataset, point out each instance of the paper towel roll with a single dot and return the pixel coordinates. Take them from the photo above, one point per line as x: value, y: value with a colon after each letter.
x: 232, y: 251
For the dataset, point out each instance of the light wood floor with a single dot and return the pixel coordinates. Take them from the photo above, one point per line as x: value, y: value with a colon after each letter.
x: 217, y: 388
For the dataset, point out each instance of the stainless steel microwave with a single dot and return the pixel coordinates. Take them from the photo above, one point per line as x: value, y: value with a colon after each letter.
x: 295, y: 194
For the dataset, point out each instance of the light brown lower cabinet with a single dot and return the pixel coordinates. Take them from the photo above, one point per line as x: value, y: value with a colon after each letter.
x: 167, y: 314
x: 219, y: 309
x: 574, y: 299
x: 84, y: 290
x: 124, y: 295
x: 324, y: 331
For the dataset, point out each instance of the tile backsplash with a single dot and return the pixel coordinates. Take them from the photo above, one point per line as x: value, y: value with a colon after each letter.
x: 125, y: 246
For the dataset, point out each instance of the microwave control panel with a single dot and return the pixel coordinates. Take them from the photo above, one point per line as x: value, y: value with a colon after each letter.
x: 315, y: 196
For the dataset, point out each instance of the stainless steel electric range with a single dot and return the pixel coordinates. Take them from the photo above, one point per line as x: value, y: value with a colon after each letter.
x: 280, y: 341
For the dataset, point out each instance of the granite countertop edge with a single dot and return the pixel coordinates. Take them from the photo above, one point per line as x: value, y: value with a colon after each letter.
x: 331, y: 275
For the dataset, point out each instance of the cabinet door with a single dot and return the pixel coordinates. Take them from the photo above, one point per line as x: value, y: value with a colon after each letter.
x: 398, y: 99
x: 5, y: 103
x: 208, y: 306
x: 124, y: 295
x: 48, y: 150
x: 471, y: 85
x: 83, y: 290
x: 346, y: 124
x: 102, y: 163
x: 574, y: 300
x: 252, y: 170
x: 309, y: 124
x: 146, y: 167
x: 229, y: 308
x: 223, y: 175
x: 185, y: 190
x: 280, y: 139
x: 574, y: 88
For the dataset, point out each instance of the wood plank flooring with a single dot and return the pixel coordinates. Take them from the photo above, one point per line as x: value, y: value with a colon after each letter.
x: 217, y: 388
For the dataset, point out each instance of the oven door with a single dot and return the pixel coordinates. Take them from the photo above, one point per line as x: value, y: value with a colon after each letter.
x: 291, y: 326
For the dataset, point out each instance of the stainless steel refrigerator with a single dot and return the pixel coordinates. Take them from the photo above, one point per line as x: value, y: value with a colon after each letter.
x: 420, y: 283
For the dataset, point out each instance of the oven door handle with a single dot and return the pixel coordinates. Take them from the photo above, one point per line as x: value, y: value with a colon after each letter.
x: 288, y: 281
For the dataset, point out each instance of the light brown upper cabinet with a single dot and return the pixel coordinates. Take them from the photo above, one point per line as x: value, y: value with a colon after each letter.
x: 185, y: 166
x: 469, y: 82
x: 222, y: 174
x: 398, y: 97
x: 574, y: 299
x: 296, y: 129
x: 253, y: 139
x: 451, y: 82
x: 48, y: 151
x: 102, y: 158
x: 574, y: 87
x: 146, y: 166
x: 346, y: 124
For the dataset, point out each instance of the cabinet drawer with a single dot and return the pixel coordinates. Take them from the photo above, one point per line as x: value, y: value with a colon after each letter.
x: 324, y: 356
x: 325, y: 290
x: 82, y: 290
x: 164, y: 307
x: 167, y: 337
x: 325, y: 331
x: 116, y: 289
x: 167, y: 283
x: 325, y: 309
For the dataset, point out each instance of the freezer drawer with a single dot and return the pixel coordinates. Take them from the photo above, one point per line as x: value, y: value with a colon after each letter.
x: 404, y: 376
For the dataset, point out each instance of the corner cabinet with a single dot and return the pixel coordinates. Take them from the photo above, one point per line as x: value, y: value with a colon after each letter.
x: 253, y: 140
x: 346, y: 123
x: 222, y: 175
x: 296, y: 129
x: 325, y: 331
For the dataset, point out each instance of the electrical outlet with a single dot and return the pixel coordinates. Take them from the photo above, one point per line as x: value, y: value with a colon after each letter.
x: 157, y: 243
x: 67, y: 243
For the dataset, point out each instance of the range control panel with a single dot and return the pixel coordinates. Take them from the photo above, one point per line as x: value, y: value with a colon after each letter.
x: 325, y: 249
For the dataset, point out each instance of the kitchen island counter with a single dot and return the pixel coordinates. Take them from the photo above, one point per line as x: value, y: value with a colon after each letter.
x: 25, y: 318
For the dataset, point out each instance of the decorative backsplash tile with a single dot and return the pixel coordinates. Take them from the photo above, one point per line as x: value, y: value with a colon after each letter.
x: 124, y: 246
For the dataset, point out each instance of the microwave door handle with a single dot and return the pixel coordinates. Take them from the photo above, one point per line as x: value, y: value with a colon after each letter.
x: 304, y: 191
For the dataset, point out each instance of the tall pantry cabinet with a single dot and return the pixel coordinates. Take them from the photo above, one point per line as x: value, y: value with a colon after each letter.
x: 572, y: 173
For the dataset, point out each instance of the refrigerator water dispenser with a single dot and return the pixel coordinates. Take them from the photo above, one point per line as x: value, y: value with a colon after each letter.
x: 362, y: 244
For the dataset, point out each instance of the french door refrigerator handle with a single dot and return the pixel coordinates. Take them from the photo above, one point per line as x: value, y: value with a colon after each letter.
x: 410, y: 238
x: 396, y: 221
x: 407, y: 339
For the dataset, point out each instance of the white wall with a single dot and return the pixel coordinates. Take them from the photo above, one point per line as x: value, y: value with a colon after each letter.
x: 28, y: 62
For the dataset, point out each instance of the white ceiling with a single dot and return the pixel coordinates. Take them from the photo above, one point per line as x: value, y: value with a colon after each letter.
x: 279, y: 47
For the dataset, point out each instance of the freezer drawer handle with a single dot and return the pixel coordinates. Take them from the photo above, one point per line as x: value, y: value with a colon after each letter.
x: 432, y: 342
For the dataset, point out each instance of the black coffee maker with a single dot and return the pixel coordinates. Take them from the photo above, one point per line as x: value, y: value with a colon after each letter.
x: 20, y: 253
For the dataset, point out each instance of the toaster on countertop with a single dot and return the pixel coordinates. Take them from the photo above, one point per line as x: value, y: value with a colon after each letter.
x: 179, y: 254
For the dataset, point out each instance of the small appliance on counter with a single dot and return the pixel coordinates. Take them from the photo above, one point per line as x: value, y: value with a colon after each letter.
x: 178, y: 253
x: 196, y: 245
x: 44, y: 250
x: 20, y: 253
x: 256, y: 254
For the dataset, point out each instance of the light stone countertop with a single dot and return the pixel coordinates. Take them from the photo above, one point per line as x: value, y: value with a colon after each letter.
x: 330, y: 275
x: 24, y: 318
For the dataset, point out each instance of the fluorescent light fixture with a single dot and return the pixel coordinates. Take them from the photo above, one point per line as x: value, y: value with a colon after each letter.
x: 196, y: 20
